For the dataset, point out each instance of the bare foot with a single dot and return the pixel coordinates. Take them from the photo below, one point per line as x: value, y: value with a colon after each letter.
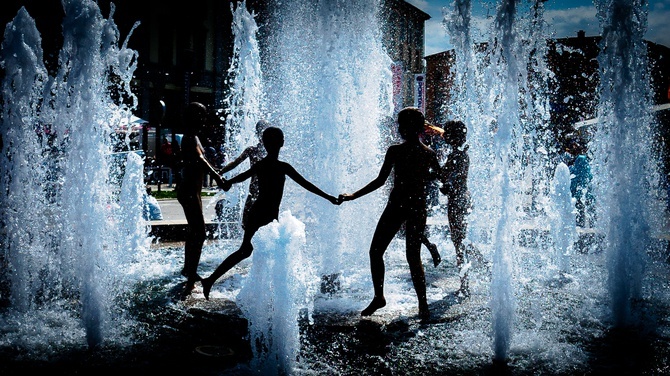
x: 374, y: 305
x: 206, y: 287
x: 188, y: 288
x: 424, y: 314
x: 464, y: 291
x: 435, y: 254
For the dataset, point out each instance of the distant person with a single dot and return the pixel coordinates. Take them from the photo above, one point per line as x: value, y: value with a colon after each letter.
x: 414, y: 166
x: 455, y: 171
x: 194, y: 166
x: 254, y: 154
x: 271, y: 175
x: 166, y: 157
x: 580, y: 183
x: 212, y: 157
x: 166, y: 149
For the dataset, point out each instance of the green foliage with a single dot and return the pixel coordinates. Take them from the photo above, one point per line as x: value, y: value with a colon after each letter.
x: 172, y: 194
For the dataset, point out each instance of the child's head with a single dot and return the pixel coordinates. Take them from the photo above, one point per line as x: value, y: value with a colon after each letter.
x: 273, y: 139
x: 575, y: 146
x: 261, y: 126
x: 195, y: 116
x: 455, y: 133
x: 410, y: 122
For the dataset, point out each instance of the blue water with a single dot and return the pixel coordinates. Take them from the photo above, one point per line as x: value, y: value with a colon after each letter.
x: 84, y: 279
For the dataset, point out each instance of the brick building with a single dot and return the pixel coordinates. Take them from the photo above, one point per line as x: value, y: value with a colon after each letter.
x: 185, y: 49
x: 573, y: 95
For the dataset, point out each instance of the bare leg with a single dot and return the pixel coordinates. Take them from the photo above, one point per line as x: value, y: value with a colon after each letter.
x: 415, y: 230
x: 195, y: 238
x: 458, y: 228
x: 388, y: 226
x: 233, y: 259
x: 437, y: 259
x: 463, y: 267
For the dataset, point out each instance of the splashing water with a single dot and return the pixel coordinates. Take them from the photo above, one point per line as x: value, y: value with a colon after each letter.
x: 246, y: 79
x: 325, y: 81
x: 512, y: 158
x: 246, y: 100
x: 57, y: 196
x: 280, y: 284
x: 624, y: 167
x: 329, y: 86
x: 563, y: 224
x: 329, y: 102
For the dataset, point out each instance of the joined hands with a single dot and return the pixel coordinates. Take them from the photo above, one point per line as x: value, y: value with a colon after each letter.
x: 224, y: 184
x: 344, y: 197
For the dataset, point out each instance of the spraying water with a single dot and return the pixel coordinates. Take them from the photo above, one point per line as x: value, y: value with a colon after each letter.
x: 623, y: 153
x: 622, y: 148
x: 246, y: 100
x: 322, y: 85
x: 57, y: 195
x: 329, y: 86
x: 74, y: 256
x: 247, y: 96
x: 563, y: 224
x: 501, y: 96
x: 281, y: 283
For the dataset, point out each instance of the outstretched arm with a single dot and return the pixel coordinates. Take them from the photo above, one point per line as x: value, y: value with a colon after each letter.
x: 238, y: 178
x: 293, y: 174
x: 374, y: 184
x: 208, y: 167
x: 236, y: 162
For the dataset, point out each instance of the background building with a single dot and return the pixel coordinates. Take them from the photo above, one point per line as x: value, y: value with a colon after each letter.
x: 573, y: 91
x: 184, y: 51
x: 403, y: 39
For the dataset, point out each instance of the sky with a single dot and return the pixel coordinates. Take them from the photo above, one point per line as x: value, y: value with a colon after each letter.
x: 564, y: 17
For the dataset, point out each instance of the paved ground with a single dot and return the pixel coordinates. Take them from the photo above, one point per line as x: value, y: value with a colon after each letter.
x: 173, y: 225
x: 173, y: 212
x: 210, y: 337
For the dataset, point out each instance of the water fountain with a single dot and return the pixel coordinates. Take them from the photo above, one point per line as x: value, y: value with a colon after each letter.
x: 629, y: 213
x: 330, y: 103
x: 515, y: 93
x: 563, y: 225
x: 323, y: 77
x: 59, y: 212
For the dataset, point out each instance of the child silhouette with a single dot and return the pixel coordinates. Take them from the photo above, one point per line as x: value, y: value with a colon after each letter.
x: 271, y: 174
x: 415, y: 165
x: 194, y: 167
x: 254, y: 153
x: 456, y: 188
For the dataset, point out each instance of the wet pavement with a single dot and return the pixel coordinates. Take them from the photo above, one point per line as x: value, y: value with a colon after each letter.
x: 556, y: 332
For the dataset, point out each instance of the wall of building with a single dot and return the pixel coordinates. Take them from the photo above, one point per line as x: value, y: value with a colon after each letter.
x: 185, y: 48
x: 573, y: 89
